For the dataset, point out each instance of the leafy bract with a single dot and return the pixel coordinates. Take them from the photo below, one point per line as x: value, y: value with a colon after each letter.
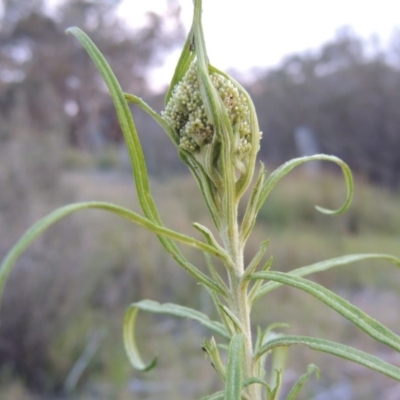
x: 166, y: 309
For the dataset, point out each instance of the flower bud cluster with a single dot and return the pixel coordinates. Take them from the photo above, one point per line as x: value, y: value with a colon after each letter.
x: 186, y: 114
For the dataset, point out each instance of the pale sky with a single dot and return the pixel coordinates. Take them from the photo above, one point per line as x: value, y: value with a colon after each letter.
x: 245, y: 33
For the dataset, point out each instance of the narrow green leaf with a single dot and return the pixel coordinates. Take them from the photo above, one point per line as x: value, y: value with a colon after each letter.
x: 284, y: 169
x: 256, y: 259
x: 218, y: 280
x: 279, y: 358
x: 134, y: 149
x: 328, y: 264
x: 40, y: 226
x: 212, y: 350
x: 337, y: 349
x: 233, y: 318
x: 250, y: 214
x: 298, y: 386
x: 256, y: 381
x: 234, y: 370
x: 211, y: 241
x: 218, y: 115
x: 216, y: 396
x: 258, y: 284
x: 244, y: 181
x: 166, y: 309
x: 276, y: 377
x: 131, y: 348
x: 369, y: 325
x: 185, y: 59
x: 206, y: 187
x: 131, y: 98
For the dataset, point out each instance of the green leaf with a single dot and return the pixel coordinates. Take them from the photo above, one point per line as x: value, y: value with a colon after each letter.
x: 298, y: 386
x: 234, y: 370
x: 166, y: 309
x: 131, y: 348
x: 245, y: 179
x: 218, y: 116
x: 134, y: 149
x: 131, y: 98
x: 258, y: 284
x: 212, y: 350
x: 369, y: 325
x: 216, y: 396
x: 256, y: 259
x: 184, y: 62
x: 40, y: 226
x: 337, y: 349
x: 279, y: 357
x: 328, y: 264
x: 282, y: 171
x: 233, y: 318
x: 250, y: 214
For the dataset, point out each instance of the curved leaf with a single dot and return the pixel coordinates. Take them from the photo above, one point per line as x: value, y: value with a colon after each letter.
x: 167, y: 309
x: 337, y: 349
x: 130, y: 343
x: 40, y: 226
x: 369, y: 325
x: 185, y: 59
x: 234, y: 369
x: 133, y: 145
x: 283, y: 170
x: 298, y: 386
x: 327, y: 264
x: 216, y: 396
x: 131, y: 98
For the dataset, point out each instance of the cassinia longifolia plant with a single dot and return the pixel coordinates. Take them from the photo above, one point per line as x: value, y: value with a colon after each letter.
x: 212, y: 121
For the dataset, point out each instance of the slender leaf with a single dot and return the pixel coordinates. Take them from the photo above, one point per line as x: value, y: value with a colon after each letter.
x: 369, y: 325
x: 337, y: 349
x: 166, y: 309
x: 283, y: 170
x: 234, y: 370
x: 40, y: 226
x: 328, y: 264
x: 246, y: 178
x: 233, y: 318
x: 298, y: 386
x: 218, y: 115
x: 279, y: 358
x: 131, y: 348
x: 212, y: 350
x: 250, y: 214
x: 256, y: 259
x: 131, y: 98
x: 216, y: 396
x: 134, y: 148
x: 185, y: 59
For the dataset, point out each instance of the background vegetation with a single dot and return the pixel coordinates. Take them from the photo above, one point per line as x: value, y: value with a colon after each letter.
x: 59, y: 142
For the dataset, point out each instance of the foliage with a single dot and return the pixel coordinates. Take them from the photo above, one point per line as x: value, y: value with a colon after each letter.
x: 223, y: 165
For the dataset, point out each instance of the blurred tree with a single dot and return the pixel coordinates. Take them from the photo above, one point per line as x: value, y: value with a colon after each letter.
x: 35, y: 52
x: 348, y: 95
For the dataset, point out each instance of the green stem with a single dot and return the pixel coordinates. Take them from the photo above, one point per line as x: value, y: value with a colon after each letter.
x: 239, y: 302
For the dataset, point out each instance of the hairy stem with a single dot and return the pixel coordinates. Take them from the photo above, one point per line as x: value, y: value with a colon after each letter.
x: 239, y: 302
